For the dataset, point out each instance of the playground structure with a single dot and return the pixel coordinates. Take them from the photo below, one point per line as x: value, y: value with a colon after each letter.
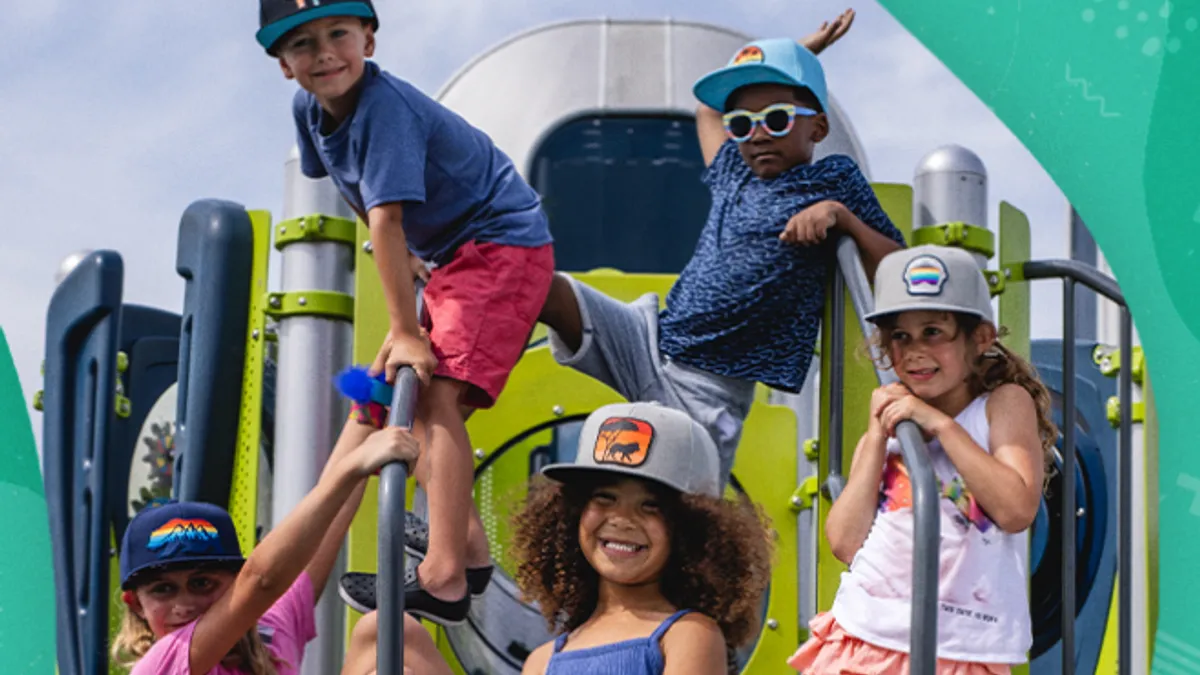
x: 251, y: 368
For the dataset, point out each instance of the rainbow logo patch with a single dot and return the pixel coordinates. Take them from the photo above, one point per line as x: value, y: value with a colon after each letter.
x: 180, y: 536
x: 925, y: 275
x: 750, y: 54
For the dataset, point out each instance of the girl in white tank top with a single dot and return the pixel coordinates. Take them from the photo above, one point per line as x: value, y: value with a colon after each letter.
x: 986, y: 417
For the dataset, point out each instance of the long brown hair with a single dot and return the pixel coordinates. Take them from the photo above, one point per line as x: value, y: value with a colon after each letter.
x: 996, y: 366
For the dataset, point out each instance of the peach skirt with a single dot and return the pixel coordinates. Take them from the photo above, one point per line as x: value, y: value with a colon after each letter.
x: 833, y: 651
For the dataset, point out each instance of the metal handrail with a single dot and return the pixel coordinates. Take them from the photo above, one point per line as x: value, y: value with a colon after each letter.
x: 393, y: 508
x: 926, y: 510
x: 1073, y: 272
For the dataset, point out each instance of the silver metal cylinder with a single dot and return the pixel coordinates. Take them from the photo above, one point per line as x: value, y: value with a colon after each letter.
x: 950, y: 185
x: 308, y: 411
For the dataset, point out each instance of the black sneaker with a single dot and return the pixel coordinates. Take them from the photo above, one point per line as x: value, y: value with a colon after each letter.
x: 419, y: 603
x: 357, y: 589
x: 416, y: 535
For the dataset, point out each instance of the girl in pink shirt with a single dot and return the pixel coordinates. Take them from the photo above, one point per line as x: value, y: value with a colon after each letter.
x: 195, y: 606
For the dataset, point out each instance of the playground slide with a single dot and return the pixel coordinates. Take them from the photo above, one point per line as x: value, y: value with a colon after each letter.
x: 26, y: 572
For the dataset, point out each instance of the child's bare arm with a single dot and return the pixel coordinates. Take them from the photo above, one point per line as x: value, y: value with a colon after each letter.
x: 851, y: 516
x: 276, y: 562
x: 873, y: 245
x: 535, y: 663
x: 405, y: 343
x: 829, y: 32
x: 694, y: 646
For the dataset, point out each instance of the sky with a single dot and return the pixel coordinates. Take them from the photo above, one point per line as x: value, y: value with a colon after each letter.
x: 122, y: 113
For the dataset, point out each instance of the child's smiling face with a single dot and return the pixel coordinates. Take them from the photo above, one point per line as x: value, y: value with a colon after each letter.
x: 326, y: 56
x: 623, y: 535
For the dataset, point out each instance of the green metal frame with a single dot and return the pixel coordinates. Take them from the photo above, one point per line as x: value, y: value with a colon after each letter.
x: 315, y: 228
x: 964, y: 235
x: 328, y: 304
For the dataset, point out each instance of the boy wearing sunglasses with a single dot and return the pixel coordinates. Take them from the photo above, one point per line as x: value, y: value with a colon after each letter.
x: 748, y: 305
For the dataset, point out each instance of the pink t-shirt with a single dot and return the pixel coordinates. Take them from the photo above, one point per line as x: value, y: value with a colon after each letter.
x: 285, y: 629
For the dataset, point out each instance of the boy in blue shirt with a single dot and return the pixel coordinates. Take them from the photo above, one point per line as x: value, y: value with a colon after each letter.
x: 748, y: 305
x: 430, y: 187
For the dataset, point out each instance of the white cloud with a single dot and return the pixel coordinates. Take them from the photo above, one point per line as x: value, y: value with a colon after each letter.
x: 123, y: 113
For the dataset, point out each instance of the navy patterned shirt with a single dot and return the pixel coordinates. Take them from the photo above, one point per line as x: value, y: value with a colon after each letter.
x: 748, y: 305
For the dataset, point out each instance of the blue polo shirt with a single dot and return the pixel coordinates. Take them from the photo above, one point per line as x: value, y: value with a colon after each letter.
x: 748, y: 305
x: 400, y: 145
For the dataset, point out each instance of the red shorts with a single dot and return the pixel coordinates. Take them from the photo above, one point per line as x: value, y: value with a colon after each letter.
x: 482, y: 307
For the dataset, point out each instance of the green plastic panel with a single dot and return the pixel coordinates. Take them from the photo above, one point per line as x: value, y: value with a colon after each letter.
x: 243, y: 495
x: 1014, y: 302
x: 1104, y: 95
x: 26, y: 580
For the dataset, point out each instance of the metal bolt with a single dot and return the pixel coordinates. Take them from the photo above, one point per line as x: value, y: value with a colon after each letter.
x: 302, y: 301
x: 1079, y: 512
x: 993, y: 279
x: 1007, y: 273
x: 254, y: 334
x: 558, y: 411
x: 479, y: 453
x: 367, y: 248
x: 275, y: 301
x: 797, y: 501
x: 283, y: 229
x: 772, y: 624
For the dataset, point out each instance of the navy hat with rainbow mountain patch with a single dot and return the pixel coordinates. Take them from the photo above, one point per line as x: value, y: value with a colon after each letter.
x: 178, y: 534
x: 277, y: 17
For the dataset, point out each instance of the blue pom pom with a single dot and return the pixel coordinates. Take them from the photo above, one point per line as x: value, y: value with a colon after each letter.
x: 355, y: 384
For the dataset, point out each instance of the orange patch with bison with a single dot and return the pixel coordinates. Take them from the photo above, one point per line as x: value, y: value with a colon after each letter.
x: 624, y: 441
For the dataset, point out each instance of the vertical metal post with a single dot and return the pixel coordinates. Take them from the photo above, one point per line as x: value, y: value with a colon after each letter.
x: 308, y: 411
x: 1069, y: 499
x: 392, y: 508
x: 835, y: 479
x: 1125, y: 504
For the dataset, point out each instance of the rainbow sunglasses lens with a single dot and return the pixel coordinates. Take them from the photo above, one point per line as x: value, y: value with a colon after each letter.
x: 776, y: 120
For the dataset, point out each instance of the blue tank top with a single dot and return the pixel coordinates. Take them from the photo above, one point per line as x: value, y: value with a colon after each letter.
x: 639, y: 656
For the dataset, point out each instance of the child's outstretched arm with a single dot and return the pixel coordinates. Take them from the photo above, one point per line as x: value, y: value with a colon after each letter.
x: 710, y: 129
x: 318, y: 569
x: 405, y: 344
x: 1007, y: 482
x: 289, y: 548
x: 694, y: 646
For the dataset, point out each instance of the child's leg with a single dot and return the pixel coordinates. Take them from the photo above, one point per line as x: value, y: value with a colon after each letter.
x: 449, y: 479
x: 421, y: 656
x: 478, y: 554
x: 561, y: 312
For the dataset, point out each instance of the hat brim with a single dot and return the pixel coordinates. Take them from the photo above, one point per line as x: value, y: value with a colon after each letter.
x: 714, y: 89
x: 873, y: 317
x: 231, y: 560
x: 571, y: 473
x: 269, y: 34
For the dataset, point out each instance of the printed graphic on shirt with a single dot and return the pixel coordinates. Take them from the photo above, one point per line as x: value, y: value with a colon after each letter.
x: 623, y: 440
x: 896, y: 494
x: 185, y: 535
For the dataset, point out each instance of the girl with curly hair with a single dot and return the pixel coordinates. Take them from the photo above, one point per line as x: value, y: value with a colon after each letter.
x: 986, y: 416
x: 634, y: 557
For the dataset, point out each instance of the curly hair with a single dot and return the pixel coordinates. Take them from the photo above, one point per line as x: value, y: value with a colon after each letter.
x: 719, y: 565
x: 991, y: 369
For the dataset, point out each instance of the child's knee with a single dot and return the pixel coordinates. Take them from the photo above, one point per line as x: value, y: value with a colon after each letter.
x: 366, y: 631
x: 442, y: 399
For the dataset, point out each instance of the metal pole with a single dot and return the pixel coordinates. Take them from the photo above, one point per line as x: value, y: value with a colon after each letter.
x: 308, y: 411
x: 835, y: 480
x: 1125, y: 503
x: 390, y: 589
x: 1069, y: 499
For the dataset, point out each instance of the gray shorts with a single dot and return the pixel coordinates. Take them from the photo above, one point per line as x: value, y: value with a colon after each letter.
x: 620, y: 348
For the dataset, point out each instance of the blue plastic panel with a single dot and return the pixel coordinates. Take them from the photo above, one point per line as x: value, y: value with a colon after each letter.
x: 216, y: 245
x: 81, y: 350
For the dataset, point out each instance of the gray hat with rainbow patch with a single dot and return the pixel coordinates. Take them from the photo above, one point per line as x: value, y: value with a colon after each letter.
x: 645, y: 440
x: 931, y: 278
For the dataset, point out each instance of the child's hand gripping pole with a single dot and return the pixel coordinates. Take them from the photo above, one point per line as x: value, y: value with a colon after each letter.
x: 392, y: 509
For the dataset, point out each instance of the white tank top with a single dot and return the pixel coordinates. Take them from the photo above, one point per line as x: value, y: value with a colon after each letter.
x: 983, y: 603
